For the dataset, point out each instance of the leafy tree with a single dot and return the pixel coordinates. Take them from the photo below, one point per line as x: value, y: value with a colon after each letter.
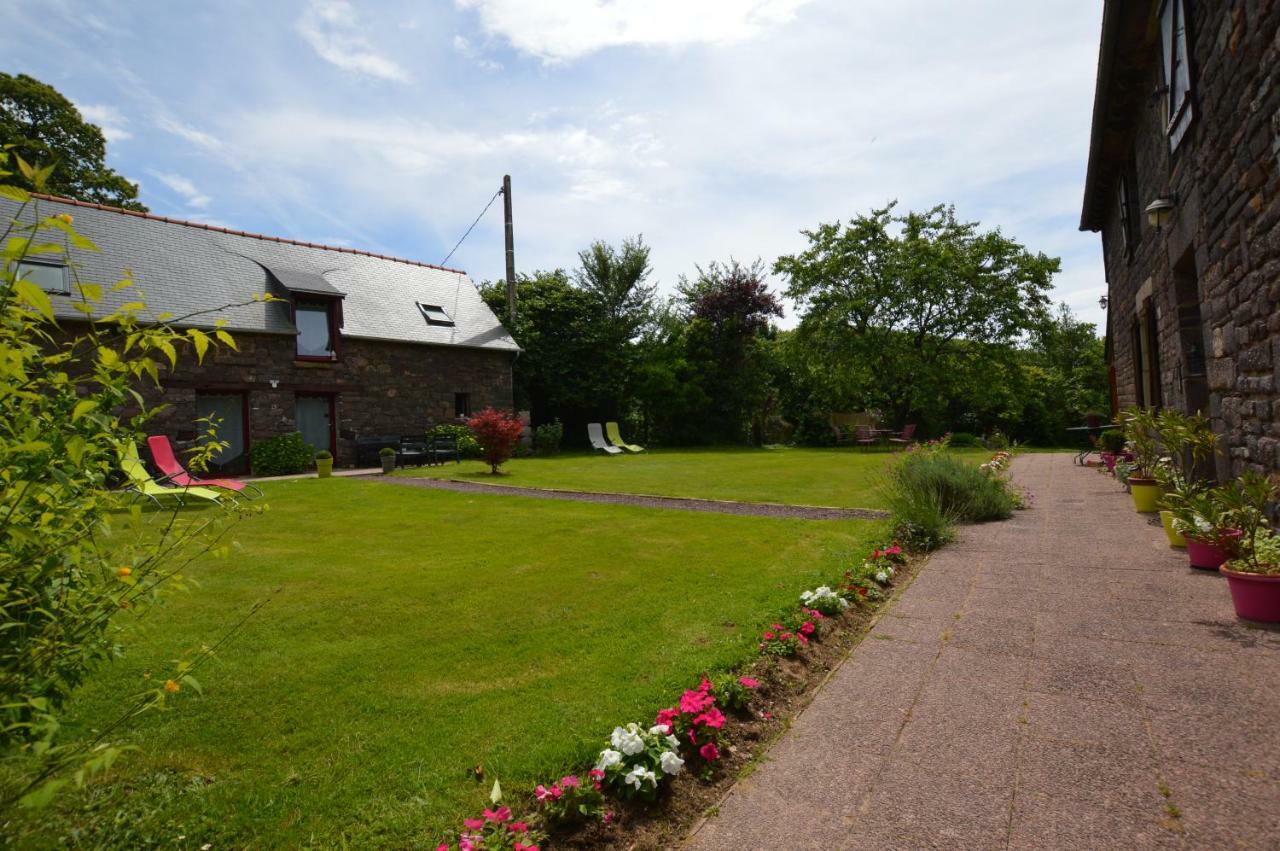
x: 616, y: 283
x: 497, y: 432
x: 40, y: 125
x: 899, y: 299
x: 75, y: 552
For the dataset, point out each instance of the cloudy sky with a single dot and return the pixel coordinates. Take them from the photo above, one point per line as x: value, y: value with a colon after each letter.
x: 716, y: 128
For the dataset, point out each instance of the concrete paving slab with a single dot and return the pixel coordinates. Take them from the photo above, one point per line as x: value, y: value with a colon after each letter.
x: 1094, y: 693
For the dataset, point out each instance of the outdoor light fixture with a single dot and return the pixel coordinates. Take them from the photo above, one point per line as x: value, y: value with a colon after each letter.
x: 1103, y: 302
x: 1160, y: 211
x: 275, y: 382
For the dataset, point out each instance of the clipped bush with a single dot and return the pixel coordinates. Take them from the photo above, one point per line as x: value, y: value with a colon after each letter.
x: 547, y: 437
x: 324, y: 455
x: 1112, y: 440
x: 467, y: 445
x: 964, y: 439
x: 281, y: 455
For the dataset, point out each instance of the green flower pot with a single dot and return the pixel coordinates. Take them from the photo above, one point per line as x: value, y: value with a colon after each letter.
x: 1175, y: 538
x: 324, y: 467
x: 1146, y: 495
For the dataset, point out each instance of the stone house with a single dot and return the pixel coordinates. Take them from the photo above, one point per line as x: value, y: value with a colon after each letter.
x: 1184, y: 186
x: 359, y: 344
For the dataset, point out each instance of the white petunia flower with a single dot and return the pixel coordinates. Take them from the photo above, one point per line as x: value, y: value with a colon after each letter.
x: 608, y: 758
x: 670, y: 762
x: 673, y: 742
x: 627, y: 740
x: 882, y: 577
x: 660, y: 729
x: 639, y: 775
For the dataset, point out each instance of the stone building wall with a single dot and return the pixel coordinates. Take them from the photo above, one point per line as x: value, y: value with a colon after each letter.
x: 379, y: 388
x: 1221, y: 251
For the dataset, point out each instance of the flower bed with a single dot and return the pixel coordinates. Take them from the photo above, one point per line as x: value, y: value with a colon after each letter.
x: 650, y: 780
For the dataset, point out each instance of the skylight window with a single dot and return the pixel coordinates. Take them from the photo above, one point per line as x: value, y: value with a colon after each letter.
x: 435, y: 315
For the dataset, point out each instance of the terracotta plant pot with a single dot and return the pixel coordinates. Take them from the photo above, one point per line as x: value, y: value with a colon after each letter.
x: 1211, y: 555
x: 1175, y: 537
x: 1146, y: 494
x: 1256, y: 597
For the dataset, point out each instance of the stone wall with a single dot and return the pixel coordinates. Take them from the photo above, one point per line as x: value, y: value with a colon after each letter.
x: 378, y: 387
x: 1221, y: 251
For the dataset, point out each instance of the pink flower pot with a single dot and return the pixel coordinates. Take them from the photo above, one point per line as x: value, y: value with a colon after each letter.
x: 1256, y: 597
x: 1109, y: 458
x: 1211, y: 555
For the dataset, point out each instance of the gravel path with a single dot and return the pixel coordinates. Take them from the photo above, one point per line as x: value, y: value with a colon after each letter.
x: 757, y: 509
x: 1060, y: 680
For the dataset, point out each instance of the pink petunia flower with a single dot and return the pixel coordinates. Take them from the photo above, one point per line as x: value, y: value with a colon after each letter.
x: 570, y: 781
x: 785, y: 635
x: 777, y: 626
x: 713, y: 718
x: 556, y: 792
x: 705, y: 685
x: 542, y: 793
x: 473, y: 823
x: 709, y: 752
x: 768, y: 636
x: 807, y: 627
x: 501, y: 813
x: 695, y: 701
x: 748, y: 682
x: 443, y: 846
x: 608, y: 816
x: 802, y: 638
x: 518, y: 827
x: 666, y: 717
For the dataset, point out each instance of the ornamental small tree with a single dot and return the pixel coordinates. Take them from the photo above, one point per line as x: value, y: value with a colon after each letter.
x: 497, y: 432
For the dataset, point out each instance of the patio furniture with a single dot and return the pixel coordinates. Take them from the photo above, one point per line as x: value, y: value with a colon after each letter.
x: 907, y: 436
x: 615, y: 437
x: 162, y: 455
x: 866, y: 436
x: 367, y: 448
x: 843, y: 435
x: 595, y: 434
x: 413, y: 451
x: 442, y: 447
x: 1090, y: 431
x: 140, y: 482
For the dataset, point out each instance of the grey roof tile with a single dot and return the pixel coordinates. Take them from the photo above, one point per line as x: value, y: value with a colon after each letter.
x: 184, y: 267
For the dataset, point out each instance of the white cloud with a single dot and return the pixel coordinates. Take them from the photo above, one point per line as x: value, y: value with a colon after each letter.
x: 333, y: 30
x: 186, y: 131
x: 464, y: 47
x: 108, y: 118
x: 184, y: 187
x: 557, y: 30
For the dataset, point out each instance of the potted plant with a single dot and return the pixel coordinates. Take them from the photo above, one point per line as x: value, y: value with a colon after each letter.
x: 1139, y: 432
x: 1187, y: 442
x: 1111, y: 443
x: 388, y: 457
x: 324, y: 463
x: 1198, y: 514
x: 1253, y: 576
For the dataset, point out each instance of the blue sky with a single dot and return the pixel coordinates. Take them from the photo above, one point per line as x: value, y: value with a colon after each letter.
x: 713, y: 127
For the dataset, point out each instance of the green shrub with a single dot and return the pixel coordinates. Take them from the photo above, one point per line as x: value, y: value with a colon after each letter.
x: 324, y: 455
x: 468, y: 447
x: 997, y: 440
x: 1112, y: 440
x: 963, y: 439
x: 929, y: 492
x: 386, y: 452
x: 281, y: 455
x: 547, y: 437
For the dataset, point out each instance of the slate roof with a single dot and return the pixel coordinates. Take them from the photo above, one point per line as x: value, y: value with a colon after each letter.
x: 180, y: 267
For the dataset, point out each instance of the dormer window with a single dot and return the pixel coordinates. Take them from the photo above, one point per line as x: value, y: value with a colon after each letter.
x: 50, y: 277
x: 435, y: 315
x: 317, y: 325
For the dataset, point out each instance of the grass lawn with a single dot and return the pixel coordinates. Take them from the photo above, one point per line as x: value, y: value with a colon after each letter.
x: 417, y: 634
x: 841, y: 478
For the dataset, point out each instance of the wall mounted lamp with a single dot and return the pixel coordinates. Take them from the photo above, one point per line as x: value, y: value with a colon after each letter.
x: 1160, y: 211
x: 1103, y: 302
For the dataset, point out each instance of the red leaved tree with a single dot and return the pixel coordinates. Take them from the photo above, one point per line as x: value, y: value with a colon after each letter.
x: 497, y: 432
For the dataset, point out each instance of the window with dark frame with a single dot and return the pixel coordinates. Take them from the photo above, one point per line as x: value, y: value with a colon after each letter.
x: 435, y: 315
x: 1177, y: 69
x: 462, y: 404
x: 50, y: 277
x: 316, y: 321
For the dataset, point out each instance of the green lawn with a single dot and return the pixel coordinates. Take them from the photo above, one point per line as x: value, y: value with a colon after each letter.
x: 415, y: 634
x: 842, y: 478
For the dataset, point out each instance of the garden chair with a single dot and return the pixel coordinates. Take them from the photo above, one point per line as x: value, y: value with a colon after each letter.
x: 907, y: 436
x: 595, y: 434
x: 442, y: 447
x: 866, y: 436
x: 142, y: 484
x: 615, y: 437
x: 842, y: 435
x: 169, y: 465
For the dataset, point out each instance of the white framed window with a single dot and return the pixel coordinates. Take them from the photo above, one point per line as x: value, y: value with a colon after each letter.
x: 1177, y: 70
x: 50, y: 277
x: 435, y: 315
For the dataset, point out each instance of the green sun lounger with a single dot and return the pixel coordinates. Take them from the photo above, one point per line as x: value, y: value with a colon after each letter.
x: 615, y: 437
x: 141, y: 483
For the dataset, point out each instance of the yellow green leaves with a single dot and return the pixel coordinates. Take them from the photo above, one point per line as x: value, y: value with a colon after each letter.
x: 226, y: 340
x: 83, y: 407
x: 34, y: 297
x: 200, y: 340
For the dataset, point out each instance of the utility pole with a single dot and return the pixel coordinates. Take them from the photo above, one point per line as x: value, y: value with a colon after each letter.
x: 511, y: 250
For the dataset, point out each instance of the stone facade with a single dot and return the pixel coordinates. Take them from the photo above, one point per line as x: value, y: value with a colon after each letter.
x: 1194, y: 306
x: 377, y: 388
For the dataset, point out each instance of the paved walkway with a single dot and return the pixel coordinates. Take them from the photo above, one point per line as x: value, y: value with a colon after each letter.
x: 1061, y: 680
x: 715, y: 506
